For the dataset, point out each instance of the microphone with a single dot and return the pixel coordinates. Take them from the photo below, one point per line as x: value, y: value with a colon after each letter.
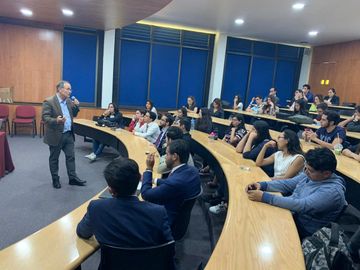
x: 73, y: 98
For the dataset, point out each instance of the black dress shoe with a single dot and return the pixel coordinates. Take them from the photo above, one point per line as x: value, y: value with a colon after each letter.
x: 56, y: 184
x: 77, y: 182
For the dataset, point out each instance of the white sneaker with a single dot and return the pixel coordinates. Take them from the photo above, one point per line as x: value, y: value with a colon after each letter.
x: 217, y: 209
x: 92, y: 157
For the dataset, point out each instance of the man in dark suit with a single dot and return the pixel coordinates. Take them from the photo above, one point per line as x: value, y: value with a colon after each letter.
x: 57, y: 113
x: 124, y: 220
x: 182, y: 183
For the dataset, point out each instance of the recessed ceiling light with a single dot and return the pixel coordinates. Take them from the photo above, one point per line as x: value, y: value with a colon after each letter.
x: 298, y: 6
x: 239, y: 21
x: 67, y: 12
x: 26, y: 12
x: 313, y: 33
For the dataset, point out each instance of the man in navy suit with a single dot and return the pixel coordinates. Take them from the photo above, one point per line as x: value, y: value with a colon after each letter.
x: 182, y: 183
x: 123, y: 220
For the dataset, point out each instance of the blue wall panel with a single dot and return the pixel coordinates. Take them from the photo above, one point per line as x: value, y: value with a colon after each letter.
x: 134, y: 72
x: 261, y: 77
x: 236, y: 72
x: 285, y: 80
x: 192, y: 77
x: 164, y: 75
x: 79, y: 64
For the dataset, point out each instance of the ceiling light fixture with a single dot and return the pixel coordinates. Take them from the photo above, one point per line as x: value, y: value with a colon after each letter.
x: 239, y: 21
x: 67, y: 12
x: 26, y: 12
x: 298, y: 6
x: 313, y: 33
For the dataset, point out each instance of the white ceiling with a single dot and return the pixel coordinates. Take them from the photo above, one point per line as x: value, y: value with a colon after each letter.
x: 270, y: 20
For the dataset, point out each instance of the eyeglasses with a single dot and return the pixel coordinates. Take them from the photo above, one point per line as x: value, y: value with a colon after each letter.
x: 281, y: 137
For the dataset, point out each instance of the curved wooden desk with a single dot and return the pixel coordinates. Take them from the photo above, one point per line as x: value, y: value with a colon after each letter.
x: 57, y: 246
x: 255, y: 235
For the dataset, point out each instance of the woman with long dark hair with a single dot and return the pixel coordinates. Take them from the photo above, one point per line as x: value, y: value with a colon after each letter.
x: 149, y: 106
x: 204, y: 122
x: 300, y: 107
x: 216, y: 109
x: 288, y: 161
x: 252, y: 143
x: 113, y: 116
x: 191, y: 104
x: 237, y: 130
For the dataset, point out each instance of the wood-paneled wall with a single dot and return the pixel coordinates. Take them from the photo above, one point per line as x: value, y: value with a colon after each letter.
x: 85, y: 113
x: 340, y: 64
x: 30, y: 61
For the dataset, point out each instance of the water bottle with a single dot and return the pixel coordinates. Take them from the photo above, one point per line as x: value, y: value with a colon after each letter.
x: 192, y: 124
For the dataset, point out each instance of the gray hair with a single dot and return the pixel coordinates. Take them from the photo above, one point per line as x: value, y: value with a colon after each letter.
x: 61, y: 84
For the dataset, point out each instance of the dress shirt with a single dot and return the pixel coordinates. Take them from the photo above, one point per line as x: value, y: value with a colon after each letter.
x: 65, y: 113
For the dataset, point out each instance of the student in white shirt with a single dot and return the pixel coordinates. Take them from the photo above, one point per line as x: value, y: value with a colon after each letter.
x: 150, y: 130
x: 238, y: 105
x: 289, y: 160
x: 149, y: 106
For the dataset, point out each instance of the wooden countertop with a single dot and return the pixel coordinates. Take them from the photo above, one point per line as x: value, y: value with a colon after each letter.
x: 57, y: 246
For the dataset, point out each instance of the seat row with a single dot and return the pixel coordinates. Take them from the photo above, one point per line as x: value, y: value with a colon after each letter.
x: 25, y: 115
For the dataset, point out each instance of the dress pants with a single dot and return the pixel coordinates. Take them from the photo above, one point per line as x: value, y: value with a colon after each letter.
x: 67, y: 145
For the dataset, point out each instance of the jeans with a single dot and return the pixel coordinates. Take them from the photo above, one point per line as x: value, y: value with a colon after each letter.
x: 98, y: 147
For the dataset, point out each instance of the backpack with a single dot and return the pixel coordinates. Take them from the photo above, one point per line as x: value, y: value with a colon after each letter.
x: 326, y: 249
x: 335, y: 246
x: 301, y: 119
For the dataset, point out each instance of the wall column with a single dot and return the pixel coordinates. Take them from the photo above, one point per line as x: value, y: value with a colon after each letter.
x: 108, y: 68
x: 217, y: 70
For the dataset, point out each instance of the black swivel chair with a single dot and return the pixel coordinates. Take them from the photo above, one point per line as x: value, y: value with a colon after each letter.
x: 182, y: 219
x: 149, y: 258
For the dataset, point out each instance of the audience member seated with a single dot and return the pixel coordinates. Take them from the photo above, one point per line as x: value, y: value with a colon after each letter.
x: 329, y: 134
x: 317, y: 195
x: 149, y: 106
x: 317, y: 100
x: 332, y: 98
x: 273, y: 93
x: 352, y: 152
x: 252, y: 143
x: 185, y: 126
x: 204, y: 122
x: 181, y: 113
x: 298, y: 96
x: 124, y: 220
x: 236, y: 131
x: 308, y: 96
x: 182, y: 183
x: 238, y: 105
x: 216, y: 109
x: 113, y: 116
x: 255, y: 105
x: 233, y: 136
x: 150, y: 129
x: 300, y: 107
x: 174, y: 133
x: 137, y: 118
x: 352, y: 123
x: 165, y: 122
x: 320, y: 108
x: 191, y: 105
x: 288, y: 161
x: 269, y: 107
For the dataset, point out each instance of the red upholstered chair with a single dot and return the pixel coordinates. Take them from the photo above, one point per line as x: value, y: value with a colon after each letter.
x: 4, y: 115
x: 24, y: 116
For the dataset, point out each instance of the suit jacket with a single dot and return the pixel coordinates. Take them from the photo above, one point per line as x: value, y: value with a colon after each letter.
x: 125, y: 222
x: 50, y: 111
x: 171, y: 192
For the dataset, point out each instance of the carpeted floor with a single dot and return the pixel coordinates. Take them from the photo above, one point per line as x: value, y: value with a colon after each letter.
x: 28, y: 202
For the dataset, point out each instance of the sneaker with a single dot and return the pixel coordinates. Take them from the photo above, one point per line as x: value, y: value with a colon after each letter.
x: 217, y: 209
x: 92, y: 157
x: 89, y: 156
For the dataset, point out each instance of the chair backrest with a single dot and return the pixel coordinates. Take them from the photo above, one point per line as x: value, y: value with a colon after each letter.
x: 157, y: 257
x: 24, y: 111
x: 182, y: 219
x: 4, y: 111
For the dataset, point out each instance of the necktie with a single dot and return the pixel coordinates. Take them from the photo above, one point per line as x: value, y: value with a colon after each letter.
x: 158, y: 140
